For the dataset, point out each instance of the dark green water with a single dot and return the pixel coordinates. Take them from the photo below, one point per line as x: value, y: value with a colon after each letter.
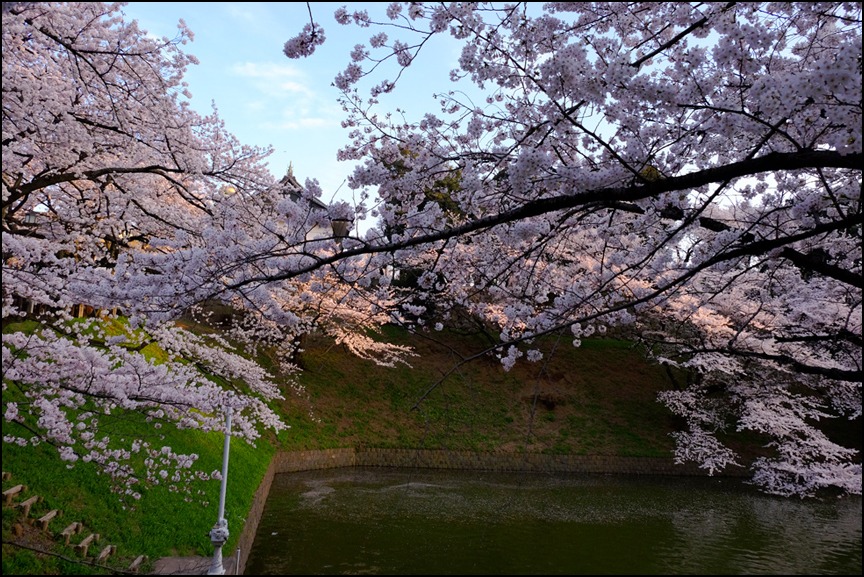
x: 434, y: 522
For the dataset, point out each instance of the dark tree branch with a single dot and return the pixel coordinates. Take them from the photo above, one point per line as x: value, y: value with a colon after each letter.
x: 773, y: 162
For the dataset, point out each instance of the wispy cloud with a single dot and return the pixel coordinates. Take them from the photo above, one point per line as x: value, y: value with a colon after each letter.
x: 302, y: 123
x: 237, y: 13
x: 275, y: 80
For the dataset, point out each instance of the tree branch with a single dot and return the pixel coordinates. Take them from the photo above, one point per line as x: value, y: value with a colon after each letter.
x: 773, y: 162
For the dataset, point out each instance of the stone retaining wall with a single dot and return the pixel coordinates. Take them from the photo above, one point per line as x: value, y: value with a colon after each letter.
x: 431, y: 459
x: 292, y: 462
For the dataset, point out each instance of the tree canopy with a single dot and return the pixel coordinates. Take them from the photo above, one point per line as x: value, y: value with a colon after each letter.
x: 692, y: 170
x: 689, y: 172
x: 119, y: 199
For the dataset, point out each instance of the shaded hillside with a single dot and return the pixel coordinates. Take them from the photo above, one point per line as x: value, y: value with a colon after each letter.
x: 598, y: 399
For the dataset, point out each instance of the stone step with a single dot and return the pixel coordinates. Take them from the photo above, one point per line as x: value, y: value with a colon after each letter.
x: 27, y: 504
x: 105, y: 553
x: 72, y: 529
x: 85, y: 543
x: 43, y: 521
x: 10, y: 493
x: 136, y: 564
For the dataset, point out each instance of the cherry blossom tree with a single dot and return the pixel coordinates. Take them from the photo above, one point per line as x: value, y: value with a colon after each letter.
x: 119, y: 197
x: 690, y: 171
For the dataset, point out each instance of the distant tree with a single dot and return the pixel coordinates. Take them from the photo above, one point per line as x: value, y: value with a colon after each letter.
x: 689, y: 170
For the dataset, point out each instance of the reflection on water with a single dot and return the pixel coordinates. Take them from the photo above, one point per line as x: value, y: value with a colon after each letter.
x: 401, y: 522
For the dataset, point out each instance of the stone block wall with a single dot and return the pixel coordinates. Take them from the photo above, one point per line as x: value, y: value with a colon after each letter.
x: 515, y: 462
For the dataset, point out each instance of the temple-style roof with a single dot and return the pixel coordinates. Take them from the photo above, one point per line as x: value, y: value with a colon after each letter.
x: 294, y: 190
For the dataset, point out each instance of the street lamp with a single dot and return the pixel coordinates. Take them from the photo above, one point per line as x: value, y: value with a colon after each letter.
x: 219, y: 532
x: 341, y: 226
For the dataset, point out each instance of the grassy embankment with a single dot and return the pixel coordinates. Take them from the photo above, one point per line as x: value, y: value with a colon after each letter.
x: 598, y: 399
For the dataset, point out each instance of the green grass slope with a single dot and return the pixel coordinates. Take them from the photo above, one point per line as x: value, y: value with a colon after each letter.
x: 599, y: 399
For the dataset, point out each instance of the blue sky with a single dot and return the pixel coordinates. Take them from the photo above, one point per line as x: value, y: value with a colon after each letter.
x: 266, y: 98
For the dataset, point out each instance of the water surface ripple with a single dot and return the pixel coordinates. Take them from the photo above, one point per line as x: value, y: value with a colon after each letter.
x: 437, y: 522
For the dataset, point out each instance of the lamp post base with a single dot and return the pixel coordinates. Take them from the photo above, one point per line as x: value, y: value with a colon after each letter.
x: 218, y: 536
x: 216, y: 567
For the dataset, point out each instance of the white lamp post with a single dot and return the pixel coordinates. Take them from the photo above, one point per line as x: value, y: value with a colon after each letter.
x: 219, y: 532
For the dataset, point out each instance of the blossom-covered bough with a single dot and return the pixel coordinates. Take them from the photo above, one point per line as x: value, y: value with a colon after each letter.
x: 689, y: 170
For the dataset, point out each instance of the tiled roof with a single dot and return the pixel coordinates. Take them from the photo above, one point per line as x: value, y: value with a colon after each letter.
x: 293, y: 188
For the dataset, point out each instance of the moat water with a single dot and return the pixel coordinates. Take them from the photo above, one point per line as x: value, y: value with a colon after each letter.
x: 378, y: 521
